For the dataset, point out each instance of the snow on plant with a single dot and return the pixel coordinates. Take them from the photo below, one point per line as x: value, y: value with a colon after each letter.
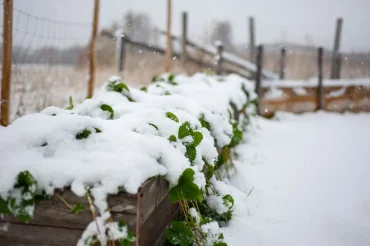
x: 180, y: 128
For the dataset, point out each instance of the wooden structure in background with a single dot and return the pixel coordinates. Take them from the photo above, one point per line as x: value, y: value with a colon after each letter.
x: 6, y: 62
x: 353, y: 99
x: 90, y: 87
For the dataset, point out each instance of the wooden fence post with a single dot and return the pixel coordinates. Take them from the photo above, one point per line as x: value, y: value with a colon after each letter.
x: 184, y: 38
x: 167, y: 64
x: 320, y: 89
x: 259, y: 64
x: 7, y: 61
x: 282, y: 63
x: 219, y: 59
x: 90, y: 88
x: 121, y: 54
x: 335, y: 70
x: 252, y: 48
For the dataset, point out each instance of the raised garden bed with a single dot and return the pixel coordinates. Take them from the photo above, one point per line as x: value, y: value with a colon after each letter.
x: 147, y: 214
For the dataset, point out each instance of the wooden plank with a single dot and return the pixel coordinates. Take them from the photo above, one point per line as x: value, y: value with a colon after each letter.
x: 33, y: 235
x: 6, y: 62
x: 157, y: 222
x: 53, y: 212
x: 152, y: 194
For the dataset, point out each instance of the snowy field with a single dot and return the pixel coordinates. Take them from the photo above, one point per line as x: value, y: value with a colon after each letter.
x: 308, y: 182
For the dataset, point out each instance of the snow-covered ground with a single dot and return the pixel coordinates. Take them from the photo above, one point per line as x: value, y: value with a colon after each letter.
x: 308, y: 179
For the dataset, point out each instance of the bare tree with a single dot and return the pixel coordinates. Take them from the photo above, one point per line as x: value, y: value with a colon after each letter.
x: 137, y: 26
x: 222, y: 31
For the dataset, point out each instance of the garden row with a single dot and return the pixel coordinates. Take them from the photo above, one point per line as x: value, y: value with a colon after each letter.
x: 123, y: 164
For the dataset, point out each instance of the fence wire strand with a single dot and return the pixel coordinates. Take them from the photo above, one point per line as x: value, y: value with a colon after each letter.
x: 49, y: 61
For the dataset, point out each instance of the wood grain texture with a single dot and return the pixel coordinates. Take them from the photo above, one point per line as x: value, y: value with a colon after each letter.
x: 34, y: 235
x: 157, y: 222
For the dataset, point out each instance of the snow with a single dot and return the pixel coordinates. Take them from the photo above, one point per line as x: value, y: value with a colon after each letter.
x: 274, y: 93
x: 337, y: 93
x: 217, y: 204
x: 45, y: 143
x: 300, y: 91
x: 314, y: 82
x: 307, y: 182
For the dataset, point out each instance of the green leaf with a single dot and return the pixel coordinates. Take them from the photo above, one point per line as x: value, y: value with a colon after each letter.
x: 204, y: 123
x: 237, y: 135
x: 70, y: 107
x: 4, y: 207
x: 174, y: 194
x: 171, y: 77
x: 192, y: 192
x: 228, y: 199
x: 172, y: 138
x: 172, y: 116
x: 187, y: 176
x: 97, y: 130
x: 82, y: 135
x: 179, y: 234
x: 144, y: 89
x: 186, y: 189
x: 25, y: 179
x: 255, y: 101
x: 106, y: 107
x: 185, y: 130
x: 191, y: 152
x: 208, y: 171
x: 220, y: 244
x: 155, y: 78
x: 198, y: 137
x: 156, y: 127
x: 77, y: 209
x: 120, y: 87
x: 167, y: 93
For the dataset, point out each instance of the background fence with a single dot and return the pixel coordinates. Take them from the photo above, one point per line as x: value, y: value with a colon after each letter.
x: 47, y: 66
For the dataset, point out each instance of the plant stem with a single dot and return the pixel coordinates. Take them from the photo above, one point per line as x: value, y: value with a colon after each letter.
x: 92, y: 208
x: 64, y: 201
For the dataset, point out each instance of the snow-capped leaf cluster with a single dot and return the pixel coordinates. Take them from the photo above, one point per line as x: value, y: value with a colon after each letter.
x: 181, y: 128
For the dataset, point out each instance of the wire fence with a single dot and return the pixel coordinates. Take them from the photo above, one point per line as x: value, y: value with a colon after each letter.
x: 49, y: 62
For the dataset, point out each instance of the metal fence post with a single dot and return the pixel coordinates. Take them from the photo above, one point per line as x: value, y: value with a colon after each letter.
x: 184, y: 38
x: 259, y: 63
x: 252, y: 48
x: 219, y: 59
x: 320, y: 89
x: 334, y: 73
x: 282, y: 63
x: 121, y: 54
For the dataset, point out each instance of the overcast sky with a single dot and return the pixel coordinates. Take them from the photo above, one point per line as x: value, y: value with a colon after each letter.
x: 276, y: 20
